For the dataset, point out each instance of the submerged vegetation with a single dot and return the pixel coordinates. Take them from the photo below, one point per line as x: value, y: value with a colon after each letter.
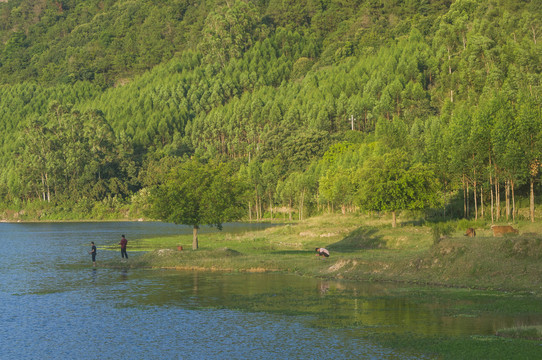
x: 522, y: 332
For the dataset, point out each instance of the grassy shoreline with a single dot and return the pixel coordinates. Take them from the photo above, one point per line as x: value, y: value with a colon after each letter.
x: 369, y: 249
x: 362, y: 248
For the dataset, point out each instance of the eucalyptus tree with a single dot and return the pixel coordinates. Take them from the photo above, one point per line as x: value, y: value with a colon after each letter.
x: 394, y: 134
x: 305, y: 185
x: 450, y: 41
x: 482, y: 152
x: 507, y: 152
x: 285, y: 194
x: 336, y: 187
x: 33, y: 163
x: 252, y: 174
x: 72, y: 155
x: 438, y: 145
x: 229, y: 31
x: 529, y: 133
x: 271, y: 170
x: 457, y: 139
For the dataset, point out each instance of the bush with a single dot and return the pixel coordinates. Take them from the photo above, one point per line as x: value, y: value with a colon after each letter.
x: 441, y: 230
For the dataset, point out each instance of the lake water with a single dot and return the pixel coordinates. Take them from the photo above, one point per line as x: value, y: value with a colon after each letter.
x: 56, y: 306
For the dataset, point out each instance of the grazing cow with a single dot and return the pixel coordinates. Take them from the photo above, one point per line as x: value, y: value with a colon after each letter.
x: 500, y: 230
x: 470, y: 232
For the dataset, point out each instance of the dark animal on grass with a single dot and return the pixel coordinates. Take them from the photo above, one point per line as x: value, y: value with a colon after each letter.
x: 500, y: 230
x: 470, y: 232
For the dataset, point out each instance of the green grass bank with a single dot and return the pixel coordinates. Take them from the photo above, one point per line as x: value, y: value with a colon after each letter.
x: 365, y: 248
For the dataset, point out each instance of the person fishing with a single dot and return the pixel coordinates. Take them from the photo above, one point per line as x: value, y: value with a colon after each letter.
x: 93, y: 253
x: 123, y: 242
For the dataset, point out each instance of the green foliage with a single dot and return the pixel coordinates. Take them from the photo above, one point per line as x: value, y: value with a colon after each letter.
x: 197, y: 194
x: 228, y: 32
x: 272, y: 85
x: 68, y: 154
x: 440, y: 230
x: 392, y: 182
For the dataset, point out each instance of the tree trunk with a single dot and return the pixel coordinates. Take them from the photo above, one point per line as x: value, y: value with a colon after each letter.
x: 498, y: 198
x: 43, y: 196
x: 290, y: 210
x: 532, y: 200
x: 301, y: 203
x: 262, y: 208
x: 48, y: 188
x: 482, y: 201
x: 475, y: 202
x: 474, y: 190
x: 271, y: 206
x: 468, y: 200
x: 249, y: 211
x: 257, y: 205
x: 464, y: 199
x: 507, y: 197
x: 393, y: 219
x: 195, y: 237
x: 513, y: 201
x: 491, y: 196
x: 445, y: 199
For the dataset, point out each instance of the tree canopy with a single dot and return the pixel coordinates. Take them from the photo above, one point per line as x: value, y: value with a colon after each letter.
x: 392, y: 182
x: 195, y: 194
x: 101, y: 98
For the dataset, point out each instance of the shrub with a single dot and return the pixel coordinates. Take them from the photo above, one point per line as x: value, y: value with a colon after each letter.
x: 440, y: 230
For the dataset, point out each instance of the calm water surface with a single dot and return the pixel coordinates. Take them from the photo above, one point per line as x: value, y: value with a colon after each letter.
x: 56, y: 306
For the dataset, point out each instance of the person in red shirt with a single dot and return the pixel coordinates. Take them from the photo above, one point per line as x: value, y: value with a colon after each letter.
x: 123, y: 243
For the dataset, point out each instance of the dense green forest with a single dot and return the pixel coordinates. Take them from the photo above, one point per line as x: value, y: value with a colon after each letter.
x: 317, y: 105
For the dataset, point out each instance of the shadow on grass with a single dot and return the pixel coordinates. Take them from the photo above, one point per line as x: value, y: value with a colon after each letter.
x: 293, y: 252
x: 407, y: 223
x: 362, y: 238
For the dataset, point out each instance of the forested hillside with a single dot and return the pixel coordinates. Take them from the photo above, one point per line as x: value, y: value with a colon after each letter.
x: 318, y: 105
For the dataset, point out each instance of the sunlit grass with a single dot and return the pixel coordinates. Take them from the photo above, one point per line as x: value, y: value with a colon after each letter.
x: 362, y: 248
x: 522, y: 332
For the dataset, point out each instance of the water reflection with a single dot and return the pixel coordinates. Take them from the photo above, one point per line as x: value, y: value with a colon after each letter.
x: 94, y: 275
x: 323, y: 287
x: 124, y: 274
x: 332, y: 304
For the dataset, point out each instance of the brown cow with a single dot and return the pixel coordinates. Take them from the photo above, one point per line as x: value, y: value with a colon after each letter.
x: 470, y: 232
x: 500, y: 230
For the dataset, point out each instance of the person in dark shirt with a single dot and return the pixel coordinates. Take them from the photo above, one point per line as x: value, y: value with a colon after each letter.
x: 123, y: 243
x: 93, y: 253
